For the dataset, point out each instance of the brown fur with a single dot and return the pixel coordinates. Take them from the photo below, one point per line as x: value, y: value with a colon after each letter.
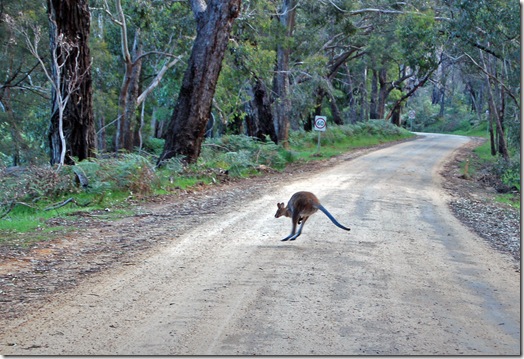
x: 299, y: 208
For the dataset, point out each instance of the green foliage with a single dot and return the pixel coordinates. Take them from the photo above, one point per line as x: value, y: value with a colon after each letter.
x: 509, y: 172
x: 112, y: 181
x: 242, y: 155
x: 456, y: 115
x: 130, y: 173
x: 418, y: 39
x: 339, y: 139
x: 33, y: 183
x: 395, y: 95
x: 153, y: 145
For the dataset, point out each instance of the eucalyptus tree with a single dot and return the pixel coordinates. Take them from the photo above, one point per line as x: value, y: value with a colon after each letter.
x: 328, y: 40
x: 420, y: 58
x: 243, y: 95
x: 186, y: 130
x: 67, y: 67
x: 24, y: 90
x: 486, y: 37
x: 286, y: 17
x: 72, y: 129
x: 400, y: 53
x: 141, y: 36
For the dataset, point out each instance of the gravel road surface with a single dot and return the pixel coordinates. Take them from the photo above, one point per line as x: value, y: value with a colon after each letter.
x: 409, y: 279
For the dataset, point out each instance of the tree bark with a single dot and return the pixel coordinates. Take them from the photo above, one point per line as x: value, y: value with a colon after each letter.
x: 192, y: 111
x: 383, y: 93
x: 260, y: 123
x: 497, y: 112
x: 395, y: 115
x: 128, y: 97
x: 72, y: 21
x: 335, y: 111
x: 281, y: 78
x: 373, y: 102
x: 364, y: 103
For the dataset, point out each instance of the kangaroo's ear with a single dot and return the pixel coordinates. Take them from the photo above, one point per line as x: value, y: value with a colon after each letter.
x: 280, y: 205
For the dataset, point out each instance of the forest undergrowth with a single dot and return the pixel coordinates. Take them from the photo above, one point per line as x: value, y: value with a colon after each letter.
x: 108, y: 186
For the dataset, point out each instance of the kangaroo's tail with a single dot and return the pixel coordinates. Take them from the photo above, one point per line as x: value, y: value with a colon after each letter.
x: 330, y: 216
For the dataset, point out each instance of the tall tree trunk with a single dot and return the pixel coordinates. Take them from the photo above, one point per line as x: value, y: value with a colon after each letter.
x: 439, y: 92
x: 335, y: 111
x: 101, y: 134
x: 395, y: 115
x: 364, y: 104
x: 351, y: 91
x: 383, y: 93
x: 192, y: 111
x: 491, y: 134
x: 501, y: 131
x: 281, y: 78
x: 490, y: 70
x: 373, y: 102
x: 260, y: 123
x: 127, y: 129
x: 127, y: 101
x: 69, y: 24
x: 128, y: 119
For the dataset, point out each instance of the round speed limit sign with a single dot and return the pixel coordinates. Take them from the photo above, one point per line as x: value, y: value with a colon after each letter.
x: 320, y: 123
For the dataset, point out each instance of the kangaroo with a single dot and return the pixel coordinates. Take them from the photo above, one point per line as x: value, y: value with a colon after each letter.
x: 300, y: 207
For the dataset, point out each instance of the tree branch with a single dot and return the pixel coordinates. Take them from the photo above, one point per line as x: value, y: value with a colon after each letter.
x: 494, y: 78
x: 156, y: 80
x: 155, y: 53
x: 61, y: 204
x: 123, y: 27
x: 411, y: 92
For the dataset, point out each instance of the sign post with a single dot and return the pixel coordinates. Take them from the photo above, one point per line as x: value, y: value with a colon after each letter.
x: 320, y: 126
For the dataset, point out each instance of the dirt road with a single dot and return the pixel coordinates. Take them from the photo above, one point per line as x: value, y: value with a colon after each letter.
x: 407, y: 279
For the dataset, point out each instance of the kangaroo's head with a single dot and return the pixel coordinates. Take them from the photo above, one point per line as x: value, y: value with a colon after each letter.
x: 281, y: 211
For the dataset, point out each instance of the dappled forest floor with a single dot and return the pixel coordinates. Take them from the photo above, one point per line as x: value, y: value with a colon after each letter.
x: 91, y: 243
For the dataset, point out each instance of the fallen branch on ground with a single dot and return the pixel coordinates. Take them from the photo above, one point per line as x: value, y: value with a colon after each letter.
x: 62, y: 204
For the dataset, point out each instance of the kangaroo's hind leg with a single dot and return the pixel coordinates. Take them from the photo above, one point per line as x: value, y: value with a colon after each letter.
x: 304, y: 219
x: 293, y: 229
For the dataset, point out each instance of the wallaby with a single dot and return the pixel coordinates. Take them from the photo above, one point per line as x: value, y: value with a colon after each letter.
x: 300, y: 207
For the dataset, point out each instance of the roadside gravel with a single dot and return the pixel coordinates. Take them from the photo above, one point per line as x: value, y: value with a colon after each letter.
x: 474, y: 204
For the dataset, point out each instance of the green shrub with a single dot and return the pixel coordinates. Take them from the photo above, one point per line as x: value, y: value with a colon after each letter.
x: 242, y: 154
x: 153, y: 145
x: 111, y: 180
x: 174, y: 165
x: 33, y: 183
x: 129, y: 172
x: 509, y: 172
x: 134, y: 173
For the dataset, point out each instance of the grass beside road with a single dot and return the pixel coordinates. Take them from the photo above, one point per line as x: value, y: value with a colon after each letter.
x: 32, y: 198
